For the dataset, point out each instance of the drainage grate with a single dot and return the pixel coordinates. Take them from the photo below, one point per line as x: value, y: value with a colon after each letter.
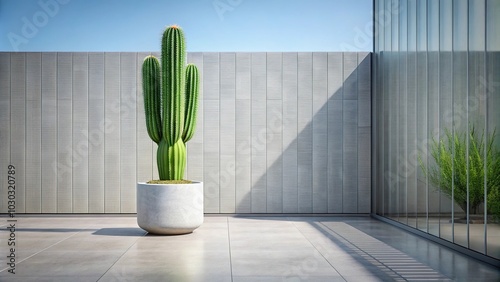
x: 393, y: 262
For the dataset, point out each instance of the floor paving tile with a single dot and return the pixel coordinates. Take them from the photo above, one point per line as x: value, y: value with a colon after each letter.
x: 65, y: 263
x: 173, y: 264
x: 231, y: 248
x: 280, y: 263
x: 287, y: 278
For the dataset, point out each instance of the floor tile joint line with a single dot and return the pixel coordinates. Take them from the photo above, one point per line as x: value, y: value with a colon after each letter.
x: 46, y: 248
x: 143, y: 235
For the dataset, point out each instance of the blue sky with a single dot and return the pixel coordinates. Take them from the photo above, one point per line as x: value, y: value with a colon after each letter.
x: 210, y: 25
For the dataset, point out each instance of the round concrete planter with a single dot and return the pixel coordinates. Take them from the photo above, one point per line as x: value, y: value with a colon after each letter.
x: 169, y: 209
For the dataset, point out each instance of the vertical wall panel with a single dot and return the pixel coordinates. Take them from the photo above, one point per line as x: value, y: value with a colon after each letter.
x: 128, y: 143
x: 274, y: 75
x: 80, y: 133
x: 64, y: 132
x: 18, y: 124
x: 335, y: 75
x: 364, y: 170
x: 243, y: 155
x: 335, y: 132
x: 290, y: 103
x: 33, y: 133
x: 350, y: 91
x: 274, y: 173
x: 195, y: 145
x: 335, y: 156
x: 112, y: 132
x: 49, y: 132
x: 211, y: 82
x: 259, y: 118
x: 211, y: 131
x: 227, y: 169
x: 364, y: 132
x: 364, y: 89
x: 96, y: 132
x: 274, y: 133
x: 304, y: 127
x: 350, y: 160
x: 243, y: 75
x: 5, y: 69
x: 320, y: 133
x: 243, y: 133
x: 211, y: 154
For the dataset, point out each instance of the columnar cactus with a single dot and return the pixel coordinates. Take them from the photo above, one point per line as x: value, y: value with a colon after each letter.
x: 170, y: 101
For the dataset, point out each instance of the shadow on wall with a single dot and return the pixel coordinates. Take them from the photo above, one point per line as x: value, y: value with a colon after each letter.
x: 277, y: 132
x: 302, y: 136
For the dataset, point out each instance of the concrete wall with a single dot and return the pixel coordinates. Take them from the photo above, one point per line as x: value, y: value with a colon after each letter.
x: 277, y: 132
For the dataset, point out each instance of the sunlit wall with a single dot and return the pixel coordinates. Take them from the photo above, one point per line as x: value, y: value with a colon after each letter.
x: 277, y: 132
x: 436, y: 110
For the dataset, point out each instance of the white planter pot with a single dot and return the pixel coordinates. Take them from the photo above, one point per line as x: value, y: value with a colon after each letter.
x: 169, y: 208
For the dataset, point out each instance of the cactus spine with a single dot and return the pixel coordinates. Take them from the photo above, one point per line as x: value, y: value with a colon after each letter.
x: 170, y: 101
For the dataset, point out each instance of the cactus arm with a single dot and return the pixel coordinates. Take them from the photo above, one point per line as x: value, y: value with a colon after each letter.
x: 152, y: 92
x: 173, y: 64
x: 192, y: 89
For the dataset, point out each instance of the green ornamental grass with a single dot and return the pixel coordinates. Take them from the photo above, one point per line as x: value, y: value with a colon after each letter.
x: 450, y: 173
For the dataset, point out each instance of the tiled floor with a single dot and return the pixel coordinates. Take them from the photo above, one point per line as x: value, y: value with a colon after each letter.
x: 50, y: 248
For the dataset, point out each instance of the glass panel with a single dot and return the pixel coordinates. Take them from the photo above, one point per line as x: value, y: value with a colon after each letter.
x: 445, y: 25
x: 394, y: 108
x: 379, y: 100
x: 388, y: 179
x: 412, y: 114
x: 402, y: 127
x: 433, y: 110
x: 393, y: 185
x: 493, y: 122
x: 395, y: 26
x: 387, y: 23
x: 445, y: 111
x: 385, y: 56
x: 422, y: 195
x: 460, y: 120
x: 387, y: 148
x: 477, y: 118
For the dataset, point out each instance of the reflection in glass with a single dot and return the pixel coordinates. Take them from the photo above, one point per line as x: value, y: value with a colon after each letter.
x: 437, y: 92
